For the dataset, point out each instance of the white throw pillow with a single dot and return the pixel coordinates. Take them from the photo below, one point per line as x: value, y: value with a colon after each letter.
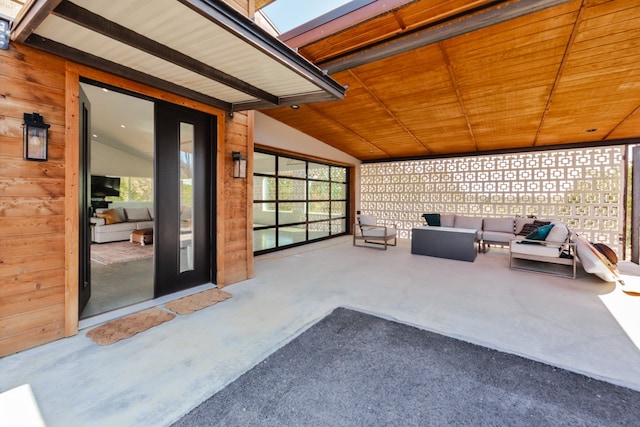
x: 558, y: 233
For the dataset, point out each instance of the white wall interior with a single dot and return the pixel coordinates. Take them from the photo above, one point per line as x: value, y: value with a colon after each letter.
x: 110, y: 161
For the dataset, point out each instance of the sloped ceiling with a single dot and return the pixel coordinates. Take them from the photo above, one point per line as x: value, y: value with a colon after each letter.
x: 566, y: 74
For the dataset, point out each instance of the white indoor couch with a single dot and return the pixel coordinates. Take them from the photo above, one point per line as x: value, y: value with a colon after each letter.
x: 116, y: 224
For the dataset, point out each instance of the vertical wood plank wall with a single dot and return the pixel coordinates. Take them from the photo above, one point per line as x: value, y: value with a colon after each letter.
x: 38, y: 204
x: 235, y: 206
x: 32, y: 202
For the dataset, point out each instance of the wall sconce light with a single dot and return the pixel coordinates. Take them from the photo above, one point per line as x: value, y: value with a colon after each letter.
x: 5, y: 32
x: 239, y: 165
x: 35, y: 134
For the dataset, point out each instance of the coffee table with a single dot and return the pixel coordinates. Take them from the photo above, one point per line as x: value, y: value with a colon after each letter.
x: 143, y: 236
x: 444, y: 242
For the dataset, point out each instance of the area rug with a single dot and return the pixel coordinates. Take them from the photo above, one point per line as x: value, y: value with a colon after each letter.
x: 116, y: 252
x: 354, y: 369
x: 198, y: 301
x: 129, y: 326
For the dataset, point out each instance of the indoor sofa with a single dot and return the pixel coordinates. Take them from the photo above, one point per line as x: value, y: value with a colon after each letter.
x: 116, y: 224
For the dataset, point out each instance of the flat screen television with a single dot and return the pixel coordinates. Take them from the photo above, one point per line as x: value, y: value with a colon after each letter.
x: 102, y: 186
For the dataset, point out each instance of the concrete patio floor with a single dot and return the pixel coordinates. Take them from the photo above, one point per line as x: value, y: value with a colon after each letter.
x: 584, y: 325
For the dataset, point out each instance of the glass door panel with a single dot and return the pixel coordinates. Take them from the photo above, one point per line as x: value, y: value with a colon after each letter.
x: 186, y: 197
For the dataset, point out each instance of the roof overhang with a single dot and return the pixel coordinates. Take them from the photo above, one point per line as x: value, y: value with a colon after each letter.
x: 202, y: 49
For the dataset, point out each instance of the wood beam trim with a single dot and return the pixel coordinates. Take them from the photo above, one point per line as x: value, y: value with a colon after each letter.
x: 249, y: 212
x: 571, y: 146
x: 72, y: 201
x: 94, y: 22
x: 388, y: 111
x: 338, y: 20
x: 284, y: 101
x: 439, y: 31
x: 561, y: 67
x: 456, y: 87
x: 30, y: 17
x: 627, y: 117
x: 122, y: 71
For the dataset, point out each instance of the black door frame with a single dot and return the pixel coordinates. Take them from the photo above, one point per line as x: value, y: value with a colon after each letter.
x: 84, y: 208
x: 168, y: 278
x: 207, y: 162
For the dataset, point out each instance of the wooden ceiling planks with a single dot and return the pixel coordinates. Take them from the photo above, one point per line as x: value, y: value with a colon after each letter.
x: 538, y: 80
x: 597, y: 91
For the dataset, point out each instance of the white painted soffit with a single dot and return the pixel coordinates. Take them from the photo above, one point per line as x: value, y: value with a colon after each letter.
x: 202, y: 49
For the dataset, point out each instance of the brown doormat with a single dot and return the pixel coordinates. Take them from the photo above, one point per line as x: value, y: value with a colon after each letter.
x: 197, y: 301
x: 128, y: 326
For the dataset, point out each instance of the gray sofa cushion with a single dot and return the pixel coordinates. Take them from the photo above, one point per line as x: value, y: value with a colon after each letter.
x: 137, y: 214
x: 110, y: 228
x: 144, y: 224
x: 497, y: 236
x: 504, y: 225
x: 447, y: 220
x: 468, y: 222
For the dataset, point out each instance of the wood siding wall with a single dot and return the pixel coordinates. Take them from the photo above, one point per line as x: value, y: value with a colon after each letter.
x: 32, y: 202
x: 39, y: 200
x: 237, y: 202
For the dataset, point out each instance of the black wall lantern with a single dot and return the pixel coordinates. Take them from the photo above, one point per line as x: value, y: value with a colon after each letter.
x: 239, y: 165
x: 4, y: 32
x: 35, y: 135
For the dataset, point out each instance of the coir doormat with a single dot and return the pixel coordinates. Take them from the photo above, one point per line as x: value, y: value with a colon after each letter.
x: 198, y: 301
x: 129, y: 326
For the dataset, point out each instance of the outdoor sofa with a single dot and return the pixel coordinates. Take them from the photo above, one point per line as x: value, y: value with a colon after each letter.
x: 558, y: 246
x: 519, y: 234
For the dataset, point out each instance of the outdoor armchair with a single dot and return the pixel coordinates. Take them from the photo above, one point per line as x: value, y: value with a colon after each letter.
x: 368, y: 231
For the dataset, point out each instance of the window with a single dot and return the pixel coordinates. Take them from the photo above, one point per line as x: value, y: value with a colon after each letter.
x: 134, y: 189
x: 296, y: 201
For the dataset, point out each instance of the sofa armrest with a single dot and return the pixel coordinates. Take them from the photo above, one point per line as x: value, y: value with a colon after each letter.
x: 97, y: 221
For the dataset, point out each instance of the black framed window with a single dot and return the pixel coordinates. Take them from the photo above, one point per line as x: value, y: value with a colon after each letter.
x: 296, y: 201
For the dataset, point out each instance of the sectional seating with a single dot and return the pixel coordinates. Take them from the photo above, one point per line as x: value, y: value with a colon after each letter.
x: 546, y: 244
x: 556, y: 245
x: 490, y: 231
x: 456, y: 221
x: 116, y: 224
